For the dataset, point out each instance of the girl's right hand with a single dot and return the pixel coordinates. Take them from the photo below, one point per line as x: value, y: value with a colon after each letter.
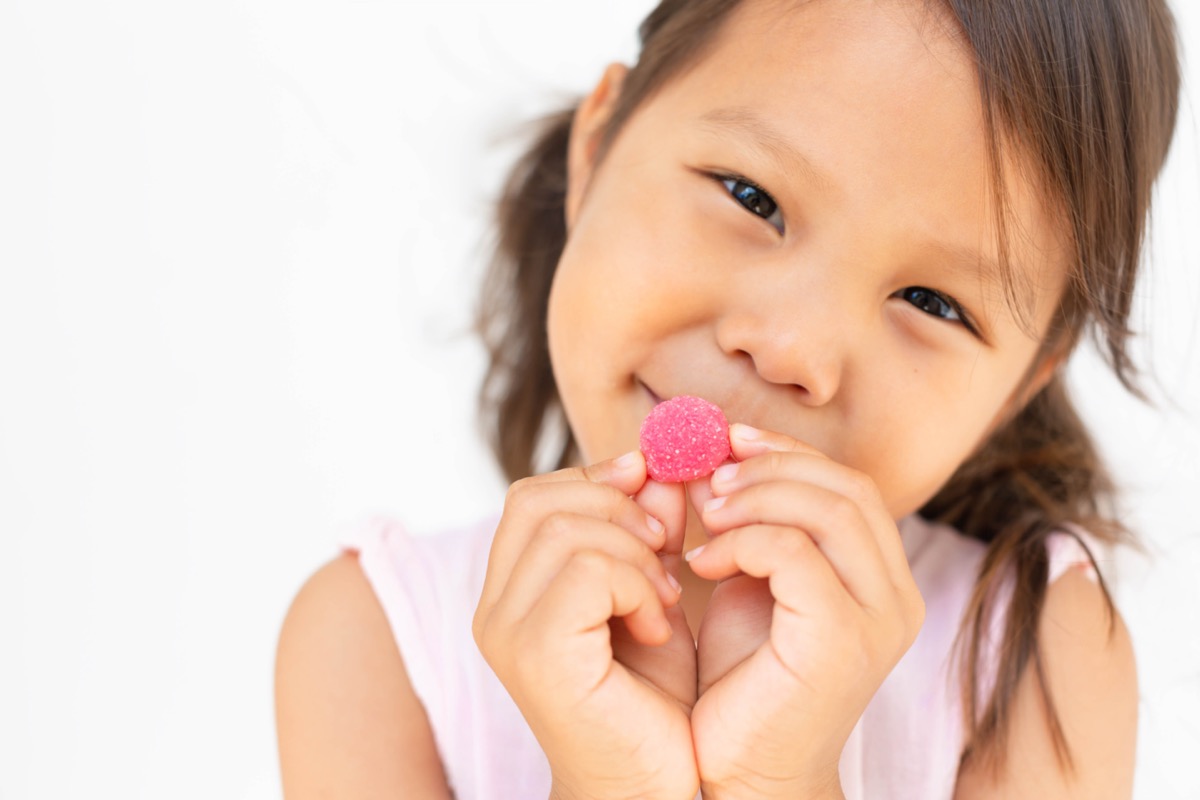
x: 573, y: 552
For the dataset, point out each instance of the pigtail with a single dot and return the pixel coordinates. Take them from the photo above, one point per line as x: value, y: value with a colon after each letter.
x: 1092, y: 96
x: 518, y: 398
x: 1038, y: 474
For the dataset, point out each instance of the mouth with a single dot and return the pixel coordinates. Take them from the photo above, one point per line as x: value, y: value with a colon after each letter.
x: 655, y: 398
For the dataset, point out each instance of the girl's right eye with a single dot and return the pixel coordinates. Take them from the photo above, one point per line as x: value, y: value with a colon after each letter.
x: 754, y: 199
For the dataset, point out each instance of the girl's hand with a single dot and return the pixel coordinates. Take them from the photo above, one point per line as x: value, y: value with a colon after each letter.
x: 815, y: 607
x: 572, y: 553
x: 671, y: 666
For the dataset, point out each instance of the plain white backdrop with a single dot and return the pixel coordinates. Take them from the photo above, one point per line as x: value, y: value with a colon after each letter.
x: 239, y: 244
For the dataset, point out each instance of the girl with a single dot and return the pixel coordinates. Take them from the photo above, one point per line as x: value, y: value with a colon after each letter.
x: 872, y: 233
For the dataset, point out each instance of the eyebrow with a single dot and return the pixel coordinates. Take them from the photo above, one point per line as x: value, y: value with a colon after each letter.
x: 759, y: 134
x: 987, y: 267
x: 763, y: 137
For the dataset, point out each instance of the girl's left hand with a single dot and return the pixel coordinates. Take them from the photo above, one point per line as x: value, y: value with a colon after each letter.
x: 815, y: 607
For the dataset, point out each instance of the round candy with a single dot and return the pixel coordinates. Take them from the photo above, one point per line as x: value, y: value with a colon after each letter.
x: 684, y: 438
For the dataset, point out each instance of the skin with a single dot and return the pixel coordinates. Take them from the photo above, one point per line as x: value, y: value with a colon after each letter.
x: 799, y: 323
x: 852, y: 407
x: 802, y: 333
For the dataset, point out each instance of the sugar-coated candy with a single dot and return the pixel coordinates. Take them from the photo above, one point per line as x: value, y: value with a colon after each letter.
x: 684, y: 438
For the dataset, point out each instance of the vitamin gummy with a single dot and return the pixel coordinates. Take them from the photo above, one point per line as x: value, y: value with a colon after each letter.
x: 684, y: 438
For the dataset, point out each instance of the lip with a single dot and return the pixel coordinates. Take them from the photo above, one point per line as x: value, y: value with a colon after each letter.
x: 654, y: 396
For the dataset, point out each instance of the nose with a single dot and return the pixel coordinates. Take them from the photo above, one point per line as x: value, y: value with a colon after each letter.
x: 791, y: 339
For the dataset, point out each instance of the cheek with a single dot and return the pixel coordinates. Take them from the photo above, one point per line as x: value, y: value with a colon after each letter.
x: 919, y: 439
x: 561, y: 307
x: 596, y: 335
x: 630, y: 273
x: 571, y: 356
x: 919, y: 481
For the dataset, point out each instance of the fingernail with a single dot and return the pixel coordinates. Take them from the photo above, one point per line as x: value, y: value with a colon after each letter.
x: 725, y: 473
x: 690, y: 554
x: 715, y: 503
x: 744, y: 433
x: 655, y: 525
x: 674, y: 584
x: 626, y: 461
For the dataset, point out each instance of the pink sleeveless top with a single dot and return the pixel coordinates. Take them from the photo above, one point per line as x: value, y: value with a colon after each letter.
x: 906, y: 746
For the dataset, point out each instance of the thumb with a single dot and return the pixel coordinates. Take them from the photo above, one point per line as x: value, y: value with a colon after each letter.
x: 667, y: 503
x: 626, y: 473
x: 700, y: 492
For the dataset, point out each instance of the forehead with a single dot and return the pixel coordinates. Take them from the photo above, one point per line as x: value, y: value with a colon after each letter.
x: 876, y: 105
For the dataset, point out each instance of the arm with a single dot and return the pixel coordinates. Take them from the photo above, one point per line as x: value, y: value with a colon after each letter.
x: 348, y: 721
x: 1093, y: 683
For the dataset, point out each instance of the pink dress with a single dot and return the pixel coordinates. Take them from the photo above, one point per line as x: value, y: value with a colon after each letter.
x: 906, y: 746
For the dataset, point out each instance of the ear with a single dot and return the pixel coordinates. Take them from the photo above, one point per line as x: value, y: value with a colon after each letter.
x: 588, y: 126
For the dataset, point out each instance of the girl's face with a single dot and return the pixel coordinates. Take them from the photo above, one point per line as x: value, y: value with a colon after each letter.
x: 798, y: 229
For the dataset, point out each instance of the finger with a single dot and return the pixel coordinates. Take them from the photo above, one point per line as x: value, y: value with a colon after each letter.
x: 835, y: 523
x: 775, y: 456
x: 746, y: 441
x: 599, y: 490
x: 594, y: 587
x: 626, y: 473
x: 800, y: 577
x: 666, y: 503
x: 700, y: 492
x: 556, y: 543
x: 529, y: 503
x: 776, y: 465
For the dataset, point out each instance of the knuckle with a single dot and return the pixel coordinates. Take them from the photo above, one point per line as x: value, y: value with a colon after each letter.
x: 615, y: 501
x: 861, y: 488
x: 517, y: 498
x: 591, y: 564
x: 841, y: 510
x: 792, y: 543
x: 555, y: 527
x: 775, y: 461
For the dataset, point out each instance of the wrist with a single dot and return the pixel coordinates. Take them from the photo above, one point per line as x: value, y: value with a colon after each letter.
x: 562, y: 791
x: 558, y: 792
x: 827, y: 789
x: 711, y: 794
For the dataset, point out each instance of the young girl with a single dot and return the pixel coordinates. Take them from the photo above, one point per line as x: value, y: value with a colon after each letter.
x: 872, y: 233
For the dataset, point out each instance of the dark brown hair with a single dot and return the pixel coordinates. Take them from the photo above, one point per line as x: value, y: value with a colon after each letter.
x: 1086, y: 91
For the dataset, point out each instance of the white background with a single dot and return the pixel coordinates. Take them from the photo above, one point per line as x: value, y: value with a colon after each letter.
x: 238, y: 250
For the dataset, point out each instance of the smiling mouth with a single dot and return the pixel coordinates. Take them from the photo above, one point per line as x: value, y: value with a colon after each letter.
x: 653, y: 396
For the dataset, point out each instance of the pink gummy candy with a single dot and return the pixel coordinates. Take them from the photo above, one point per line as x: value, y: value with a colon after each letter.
x: 684, y: 438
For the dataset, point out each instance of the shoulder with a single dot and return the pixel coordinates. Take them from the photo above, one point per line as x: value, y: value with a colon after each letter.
x: 347, y: 719
x: 1088, y: 662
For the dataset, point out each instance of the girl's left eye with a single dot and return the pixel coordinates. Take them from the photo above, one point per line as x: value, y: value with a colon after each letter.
x: 936, y: 304
x: 754, y: 199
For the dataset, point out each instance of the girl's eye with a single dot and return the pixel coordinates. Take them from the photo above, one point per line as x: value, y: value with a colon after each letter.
x: 755, y: 200
x: 936, y: 304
